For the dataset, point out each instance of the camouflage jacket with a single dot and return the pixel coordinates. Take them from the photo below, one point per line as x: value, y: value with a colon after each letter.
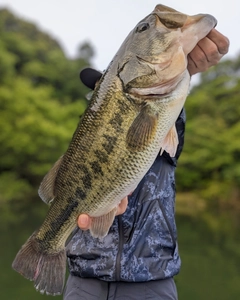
x: 142, y: 243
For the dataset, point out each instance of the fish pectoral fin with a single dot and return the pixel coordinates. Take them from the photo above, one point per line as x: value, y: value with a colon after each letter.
x: 142, y: 130
x: 100, y: 225
x: 170, y: 142
x: 46, y: 189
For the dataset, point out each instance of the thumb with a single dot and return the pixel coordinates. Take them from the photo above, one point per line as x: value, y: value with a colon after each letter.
x: 84, y: 222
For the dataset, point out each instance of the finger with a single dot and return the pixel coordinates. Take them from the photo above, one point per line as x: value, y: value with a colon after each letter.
x: 210, y: 51
x: 192, y: 68
x: 220, y: 40
x: 207, y: 52
x: 203, y: 56
x: 197, y: 61
x: 84, y: 222
x: 122, y: 206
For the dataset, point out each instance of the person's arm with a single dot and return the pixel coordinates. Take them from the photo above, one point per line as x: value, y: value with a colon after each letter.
x: 207, y: 53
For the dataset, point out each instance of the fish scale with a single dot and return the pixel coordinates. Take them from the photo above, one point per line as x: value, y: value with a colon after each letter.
x: 130, y: 119
x: 113, y: 187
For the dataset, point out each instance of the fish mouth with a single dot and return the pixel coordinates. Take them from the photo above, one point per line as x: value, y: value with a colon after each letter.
x: 158, y: 90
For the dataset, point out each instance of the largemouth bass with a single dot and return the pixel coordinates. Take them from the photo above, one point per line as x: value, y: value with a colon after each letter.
x: 131, y: 116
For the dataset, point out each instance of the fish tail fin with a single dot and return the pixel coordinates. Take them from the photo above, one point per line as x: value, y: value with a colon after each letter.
x: 47, y: 270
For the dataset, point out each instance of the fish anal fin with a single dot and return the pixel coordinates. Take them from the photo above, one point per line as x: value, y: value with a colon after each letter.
x: 100, y: 225
x: 170, y: 143
x: 46, y: 189
x: 142, y: 130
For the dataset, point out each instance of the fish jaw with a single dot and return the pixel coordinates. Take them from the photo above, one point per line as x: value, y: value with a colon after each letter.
x: 193, y: 28
x: 161, y: 89
x: 157, y: 56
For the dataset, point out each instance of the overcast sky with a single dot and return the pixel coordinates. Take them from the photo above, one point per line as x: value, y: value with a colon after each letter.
x: 106, y: 23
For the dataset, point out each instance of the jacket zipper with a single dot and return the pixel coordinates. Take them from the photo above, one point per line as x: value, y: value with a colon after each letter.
x: 168, y: 225
x: 120, y: 248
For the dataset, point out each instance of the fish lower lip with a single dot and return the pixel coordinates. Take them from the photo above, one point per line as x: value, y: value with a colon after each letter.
x: 158, y: 90
x: 153, y: 96
x: 147, y: 93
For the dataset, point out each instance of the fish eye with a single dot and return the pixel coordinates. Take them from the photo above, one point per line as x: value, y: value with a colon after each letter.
x: 142, y: 27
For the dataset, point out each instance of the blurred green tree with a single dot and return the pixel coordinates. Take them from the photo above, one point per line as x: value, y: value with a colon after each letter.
x: 209, y: 168
x: 41, y: 100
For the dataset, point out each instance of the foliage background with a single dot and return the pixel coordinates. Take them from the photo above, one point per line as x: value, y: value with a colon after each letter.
x: 41, y: 100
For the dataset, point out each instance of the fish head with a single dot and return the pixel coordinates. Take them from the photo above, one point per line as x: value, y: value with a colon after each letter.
x: 153, y: 58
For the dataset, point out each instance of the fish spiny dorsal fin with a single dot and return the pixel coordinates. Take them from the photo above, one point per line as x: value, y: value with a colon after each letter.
x: 142, y: 130
x: 46, y: 189
x: 100, y: 225
x: 170, y: 142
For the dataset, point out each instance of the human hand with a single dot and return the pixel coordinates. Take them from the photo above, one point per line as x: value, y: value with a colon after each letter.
x: 207, y: 52
x: 84, y: 220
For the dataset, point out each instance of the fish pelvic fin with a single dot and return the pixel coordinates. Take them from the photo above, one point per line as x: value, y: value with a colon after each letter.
x: 170, y: 143
x: 142, y: 130
x: 47, y: 270
x: 100, y: 225
x: 46, y: 189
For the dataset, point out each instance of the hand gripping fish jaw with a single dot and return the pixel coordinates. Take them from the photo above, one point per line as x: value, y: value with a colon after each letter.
x: 156, y: 55
x: 130, y: 117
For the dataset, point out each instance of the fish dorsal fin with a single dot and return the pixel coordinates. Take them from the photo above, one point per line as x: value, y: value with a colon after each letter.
x: 170, y: 142
x: 100, y: 225
x: 46, y: 189
x: 142, y: 130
